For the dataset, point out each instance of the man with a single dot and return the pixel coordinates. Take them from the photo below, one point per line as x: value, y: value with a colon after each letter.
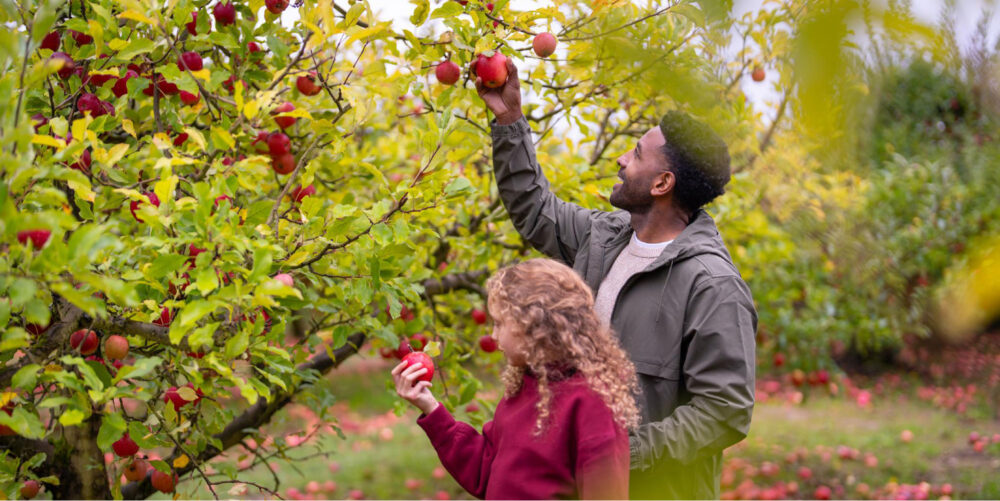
x: 663, y: 280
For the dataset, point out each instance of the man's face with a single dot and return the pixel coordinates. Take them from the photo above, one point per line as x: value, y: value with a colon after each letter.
x: 638, y: 169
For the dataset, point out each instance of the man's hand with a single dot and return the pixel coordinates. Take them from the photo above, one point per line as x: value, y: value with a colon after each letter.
x: 504, y: 101
x: 414, y: 392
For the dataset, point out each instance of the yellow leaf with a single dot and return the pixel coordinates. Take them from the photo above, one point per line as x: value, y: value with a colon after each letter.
x: 82, y: 190
x: 238, y: 94
x: 137, y: 16
x: 129, y: 127
x: 251, y: 108
x: 112, y: 156
x: 202, y: 74
x: 53, y: 368
x: 195, y: 135
x: 80, y: 128
x: 224, y: 135
x: 117, y: 44
x: 48, y: 141
x: 364, y: 33
x: 181, y: 461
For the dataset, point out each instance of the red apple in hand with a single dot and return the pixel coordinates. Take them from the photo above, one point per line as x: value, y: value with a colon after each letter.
x: 136, y: 470
x: 125, y: 446
x: 488, y: 344
x: 419, y: 357
x: 307, y: 84
x: 37, y: 237
x: 447, y: 72
x: 284, y: 122
x: 544, y: 44
x: 492, y: 70
x: 116, y: 347
x: 163, y: 482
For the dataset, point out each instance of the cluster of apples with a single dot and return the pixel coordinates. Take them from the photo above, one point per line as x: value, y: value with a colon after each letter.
x: 493, y: 69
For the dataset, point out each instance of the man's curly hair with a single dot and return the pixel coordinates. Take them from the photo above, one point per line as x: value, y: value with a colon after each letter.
x: 698, y: 157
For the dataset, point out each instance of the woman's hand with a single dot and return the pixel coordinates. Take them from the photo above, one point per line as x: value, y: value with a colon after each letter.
x: 413, y: 391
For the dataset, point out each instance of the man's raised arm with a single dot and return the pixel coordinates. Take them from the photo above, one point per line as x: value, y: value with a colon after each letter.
x: 551, y: 225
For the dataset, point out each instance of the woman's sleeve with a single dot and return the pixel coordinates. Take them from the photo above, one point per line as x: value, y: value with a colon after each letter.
x: 464, y: 452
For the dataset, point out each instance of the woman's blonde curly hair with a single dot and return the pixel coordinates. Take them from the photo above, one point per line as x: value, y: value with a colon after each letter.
x: 552, y: 308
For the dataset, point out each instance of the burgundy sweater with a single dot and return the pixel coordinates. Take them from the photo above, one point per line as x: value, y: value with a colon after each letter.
x: 581, y: 453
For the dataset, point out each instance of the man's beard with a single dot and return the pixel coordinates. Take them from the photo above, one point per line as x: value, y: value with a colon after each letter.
x: 631, y: 197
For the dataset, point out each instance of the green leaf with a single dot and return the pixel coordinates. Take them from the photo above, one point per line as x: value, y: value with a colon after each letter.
x: 164, y: 264
x: 206, y: 281
x: 37, y: 312
x: 112, y: 428
x: 71, y: 417
x: 449, y: 9
x: 258, y: 212
x: 419, y: 12
x: 459, y: 186
x: 136, y: 46
x: 237, y: 344
x: 21, y: 291
x: 141, y: 368
x: 26, y: 377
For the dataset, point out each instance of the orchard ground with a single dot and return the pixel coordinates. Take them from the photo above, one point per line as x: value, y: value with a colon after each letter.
x: 893, y: 436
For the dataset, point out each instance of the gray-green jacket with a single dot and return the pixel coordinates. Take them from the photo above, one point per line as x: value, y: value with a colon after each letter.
x: 687, y: 321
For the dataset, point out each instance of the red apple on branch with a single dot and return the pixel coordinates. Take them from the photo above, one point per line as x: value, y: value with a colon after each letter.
x: 278, y: 144
x: 299, y: 193
x: 544, y: 44
x: 38, y: 237
x: 120, y: 88
x: 492, y: 70
x: 225, y: 13
x: 163, y: 482
x: 283, y: 163
x: 84, y: 341
x: 447, y: 72
x: 284, y: 122
x: 51, y: 41
x: 478, y: 316
x: 30, y: 489
x: 276, y: 6
x: 307, y: 84
x: 758, y: 74
x: 189, y: 98
x: 136, y: 470
x: 125, y: 446
x: 190, y: 61
x: 192, y: 27
x: 488, y: 344
x: 285, y: 278
x: 68, y: 66
x: 81, y: 38
x: 419, y: 357
x: 116, y: 347
x: 165, y: 317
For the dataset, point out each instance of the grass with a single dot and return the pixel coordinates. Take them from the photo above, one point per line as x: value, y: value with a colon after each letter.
x: 379, y: 465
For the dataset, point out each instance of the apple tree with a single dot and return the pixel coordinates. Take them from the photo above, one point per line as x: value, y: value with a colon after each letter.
x: 207, y: 206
